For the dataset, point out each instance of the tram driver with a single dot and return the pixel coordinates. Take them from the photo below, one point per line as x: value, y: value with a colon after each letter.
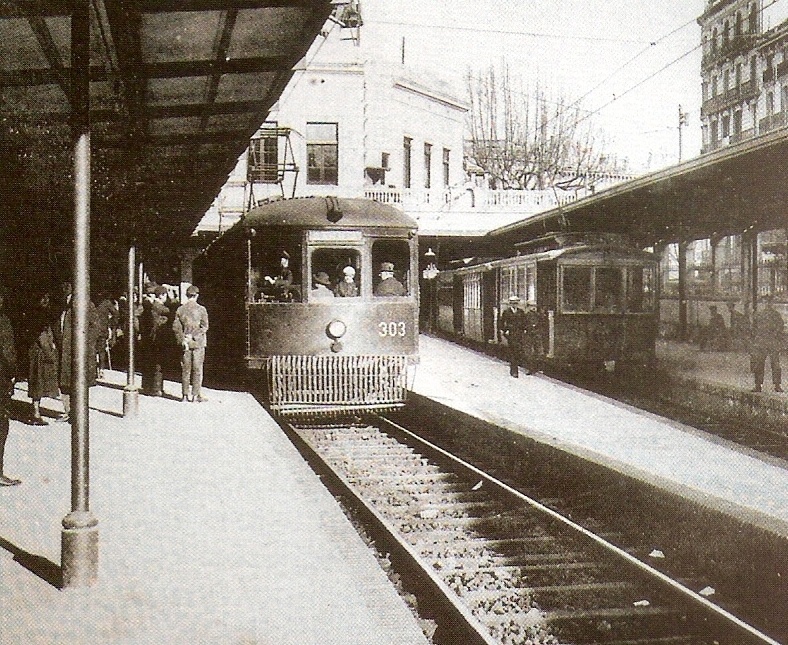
x: 389, y: 285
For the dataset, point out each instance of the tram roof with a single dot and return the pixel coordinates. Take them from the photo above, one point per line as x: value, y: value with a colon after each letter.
x: 177, y: 87
x: 313, y: 213
x: 738, y: 188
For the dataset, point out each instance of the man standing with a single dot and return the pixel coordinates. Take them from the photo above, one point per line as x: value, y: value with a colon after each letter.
x: 767, y: 341
x: 7, y: 378
x: 159, y: 335
x: 190, y: 326
x: 512, y: 324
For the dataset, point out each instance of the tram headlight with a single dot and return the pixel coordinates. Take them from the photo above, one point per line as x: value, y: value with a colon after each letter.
x: 336, y: 329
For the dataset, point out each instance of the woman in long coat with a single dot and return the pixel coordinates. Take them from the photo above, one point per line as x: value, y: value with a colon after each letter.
x: 42, y: 376
x: 63, y: 339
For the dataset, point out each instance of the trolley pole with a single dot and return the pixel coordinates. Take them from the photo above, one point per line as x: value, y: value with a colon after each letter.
x: 79, y: 539
x: 130, y: 392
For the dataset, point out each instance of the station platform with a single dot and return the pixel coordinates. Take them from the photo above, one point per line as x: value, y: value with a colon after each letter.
x: 212, y: 530
x: 711, y: 471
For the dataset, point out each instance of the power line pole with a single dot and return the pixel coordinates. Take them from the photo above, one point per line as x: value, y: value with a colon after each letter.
x: 682, y: 123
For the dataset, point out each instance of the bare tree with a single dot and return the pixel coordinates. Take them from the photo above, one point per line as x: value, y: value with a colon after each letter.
x: 532, y: 139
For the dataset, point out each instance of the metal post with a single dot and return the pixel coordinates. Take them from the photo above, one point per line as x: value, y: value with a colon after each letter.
x: 79, y: 543
x: 682, y: 251
x: 130, y: 392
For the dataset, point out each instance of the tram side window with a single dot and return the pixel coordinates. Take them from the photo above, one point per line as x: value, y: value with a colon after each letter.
x: 275, y: 271
x: 576, y: 289
x: 391, y: 267
x: 338, y: 270
x: 608, y: 291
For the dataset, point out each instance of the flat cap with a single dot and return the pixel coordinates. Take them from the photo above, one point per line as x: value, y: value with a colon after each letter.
x: 386, y: 266
x: 192, y: 290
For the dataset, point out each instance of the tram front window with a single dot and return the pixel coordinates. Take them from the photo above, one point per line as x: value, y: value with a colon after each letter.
x: 608, y: 296
x: 391, y: 267
x: 640, y: 289
x: 275, y: 273
x: 341, y: 267
x: 576, y: 289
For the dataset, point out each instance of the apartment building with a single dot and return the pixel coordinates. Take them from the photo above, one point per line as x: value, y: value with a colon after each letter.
x: 744, y: 70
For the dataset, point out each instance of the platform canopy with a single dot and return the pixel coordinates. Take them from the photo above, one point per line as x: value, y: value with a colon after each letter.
x: 732, y: 190
x: 177, y: 87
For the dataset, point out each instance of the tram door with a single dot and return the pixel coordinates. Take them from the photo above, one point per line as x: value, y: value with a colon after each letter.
x: 489, y: 303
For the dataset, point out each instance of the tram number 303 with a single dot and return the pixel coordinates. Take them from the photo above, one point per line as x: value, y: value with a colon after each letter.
x: 391, y: 329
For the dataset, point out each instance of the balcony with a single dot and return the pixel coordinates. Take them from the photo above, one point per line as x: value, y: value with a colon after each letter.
x: 772, y: 122
x: 740, y: 44
x: 731, y: 96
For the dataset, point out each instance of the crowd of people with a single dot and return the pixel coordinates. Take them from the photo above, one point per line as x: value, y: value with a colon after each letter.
x: 165, y: 332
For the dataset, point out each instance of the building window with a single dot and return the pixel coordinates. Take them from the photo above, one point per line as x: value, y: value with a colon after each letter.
x: 769, y: 104
x: 384, y: 160
x: 784, y: 100
x: 406, y: 168
x: 753, y: 70
x: 713, y: 86
x: 726, y: 126
x: 322, y: 150
x: 737, y: 122
x: 427, y: 165
x: 738, y: 75
x: 714, y: 41
x: 753, y: 19
x: 737, y: 30
x: 713, y: 132
x: 726, y: 80
x: 446, y: 175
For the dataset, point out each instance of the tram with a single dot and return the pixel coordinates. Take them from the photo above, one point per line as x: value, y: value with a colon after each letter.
x: 317, y: 298
x: 596, y: 297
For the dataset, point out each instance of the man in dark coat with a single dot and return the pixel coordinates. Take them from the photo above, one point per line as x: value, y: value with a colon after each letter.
x: 160, y: 336
x: 767, y: 341
x: 512, y: 324
x: 389, y: 285
x: 7, y: 378
x: 190, y: 327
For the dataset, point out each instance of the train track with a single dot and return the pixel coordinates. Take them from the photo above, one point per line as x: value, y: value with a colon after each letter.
x: 502, y: 567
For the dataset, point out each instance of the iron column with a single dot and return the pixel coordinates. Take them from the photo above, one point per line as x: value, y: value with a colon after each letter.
x: 79, y: 540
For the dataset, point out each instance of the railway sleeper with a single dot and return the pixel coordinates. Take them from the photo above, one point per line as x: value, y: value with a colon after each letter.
x: 613, y: 624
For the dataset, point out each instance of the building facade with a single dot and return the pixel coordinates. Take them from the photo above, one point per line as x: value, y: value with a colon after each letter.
x: 744, y: 70
x: 353, y: 121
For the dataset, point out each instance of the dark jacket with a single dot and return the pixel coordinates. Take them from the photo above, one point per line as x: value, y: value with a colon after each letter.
x: 767, y: 330
x: 513, y: 325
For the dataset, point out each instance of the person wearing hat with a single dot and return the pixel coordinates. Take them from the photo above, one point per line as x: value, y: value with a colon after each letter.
x: 322, y: 287
x: 156, y: 342
x: 279, y: 285
x: 347, y: 288
x: 389, y: 285
x: 7, y: 379
x: 512, y: 324
x: 190, y: 327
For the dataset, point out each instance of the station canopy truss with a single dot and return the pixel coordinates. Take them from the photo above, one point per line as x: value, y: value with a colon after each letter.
x: 177, y: 88
x: 743, y: 187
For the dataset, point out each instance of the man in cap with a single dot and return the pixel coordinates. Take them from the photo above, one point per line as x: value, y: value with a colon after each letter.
x: 347, y: 288
x: 389, y: 285
x: 190, y: 326
x: 7, y: 378
x: 512, y: 324
x: 321, y: 288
